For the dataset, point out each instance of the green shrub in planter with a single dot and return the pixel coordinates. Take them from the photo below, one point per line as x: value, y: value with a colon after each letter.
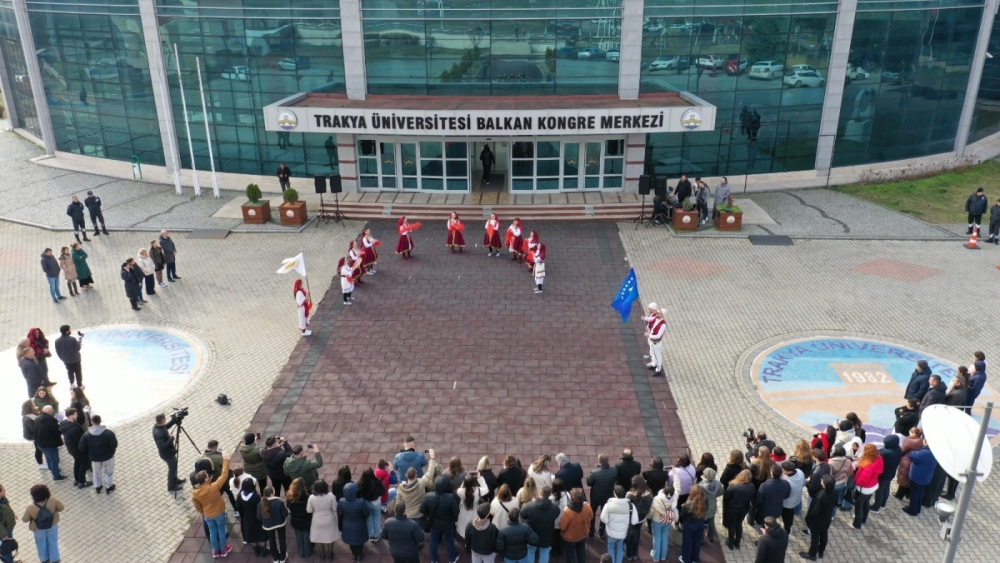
x: 689, y: 203
x: 290, y: 195
x: 253, y: 194
x: 729, y: 209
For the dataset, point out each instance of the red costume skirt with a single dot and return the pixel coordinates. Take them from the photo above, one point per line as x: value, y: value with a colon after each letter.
x: 492, y: 241
x: 405, y: 244
x: 517, y: 243
x: 368, y: 256
x: 455, y: 238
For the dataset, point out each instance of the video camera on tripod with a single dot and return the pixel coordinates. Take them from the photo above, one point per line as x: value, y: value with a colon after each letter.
x: 178, y: 415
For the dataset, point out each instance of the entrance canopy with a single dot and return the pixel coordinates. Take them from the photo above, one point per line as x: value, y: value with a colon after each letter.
x: 501, y: 116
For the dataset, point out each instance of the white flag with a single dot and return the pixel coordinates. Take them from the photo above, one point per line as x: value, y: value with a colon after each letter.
x: 297, y: 264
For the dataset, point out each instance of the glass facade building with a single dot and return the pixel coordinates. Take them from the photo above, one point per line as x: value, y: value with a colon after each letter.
x: 793, y: 84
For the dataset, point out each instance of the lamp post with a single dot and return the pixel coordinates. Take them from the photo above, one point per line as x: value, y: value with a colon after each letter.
x: 966, y: 497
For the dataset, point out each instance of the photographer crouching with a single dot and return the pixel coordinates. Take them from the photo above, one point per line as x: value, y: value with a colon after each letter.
x: 166, y: 447
x: 754, y: 440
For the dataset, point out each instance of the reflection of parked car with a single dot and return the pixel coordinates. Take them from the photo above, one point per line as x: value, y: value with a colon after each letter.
x: 566, y: 53
x: 767, y: 70
x: 236, y: 73
x: 669, y: 62
x: 294, y: 64
x: 796, y: 68
x: 736, y: 66
x: 855, y: 73
x: 613, y: 55
x: 591, y: 53
x: 897, y: 76
x: 710, y: 62
x: 803, y: 78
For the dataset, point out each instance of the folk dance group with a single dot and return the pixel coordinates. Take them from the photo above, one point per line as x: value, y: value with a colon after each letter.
x: 362, y: 258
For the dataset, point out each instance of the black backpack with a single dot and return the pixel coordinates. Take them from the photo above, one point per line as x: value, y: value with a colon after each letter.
x: 8, y: 547
x: 45, y: 518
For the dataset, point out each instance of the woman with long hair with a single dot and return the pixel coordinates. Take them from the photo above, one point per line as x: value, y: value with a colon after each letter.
x: 642, y: 499
x: 492, y: 238
x: 734, y: 466
x: 803, y: 457
x: 354, y: 514
x: 239, y: 478
x: 528, y: 492
x: 736, y: 503
x: 405, y: 245
x: 356, y: 262
x: 369, y: 256
x: 455, y: 238
x: 867, y: 471
x: 560, y: 498
x: 69, y: 270
x: 914, y: 443
x: 247, y: 501
x: 159, y: 261
x: 761, y: 466
x: 323, y: 531
x: 655, y: 476
x: 341, y: 481
x: 455, y: 473
x: 515, y: 241
x: 148, y: 268
x: 469, y: 495
x: 662, y: 515
x: 682, y: 478
x: 707, y: 460
x: 79, y: 401
x: 29, y: 412
x: 304, y: 304
x: 43, y: 399
x: 540, y: 471
x: 501, y: 506
x: 825, y: 440
x: 272, y: 515
x: 297, y: 500
x: 818, y: 518
x: 859, y: 430
x: 692, y: 518
x: 485, y: 469
x: 371, y: 489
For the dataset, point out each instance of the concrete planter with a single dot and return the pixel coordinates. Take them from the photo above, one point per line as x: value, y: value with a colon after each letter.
x: 257, y: 214
x: 684, y: 220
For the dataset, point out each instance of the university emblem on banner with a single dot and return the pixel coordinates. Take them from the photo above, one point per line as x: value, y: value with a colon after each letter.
x: 287, y: 120
x: 691, y: 120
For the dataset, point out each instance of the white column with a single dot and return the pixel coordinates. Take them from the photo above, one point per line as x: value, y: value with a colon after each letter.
x: 35, y: 75
x: 347, y: 158
x: 161, y: 88
x: 8, y: 94
x: 635, y: 160
x: 355, y: 78
x: 631, y: 50
x: 976, y: 73
x: 835, y: 79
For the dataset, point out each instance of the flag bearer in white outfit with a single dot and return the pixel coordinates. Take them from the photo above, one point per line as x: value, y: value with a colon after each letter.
x: 651, y: 311
x: 539, y: 267
x: 655, y: 332
x: 305, y: 304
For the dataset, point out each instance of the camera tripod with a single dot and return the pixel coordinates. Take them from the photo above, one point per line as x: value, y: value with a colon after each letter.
x: 177, y: 445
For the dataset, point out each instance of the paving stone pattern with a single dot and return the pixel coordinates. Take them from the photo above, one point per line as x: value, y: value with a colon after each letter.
x: 760, y: 294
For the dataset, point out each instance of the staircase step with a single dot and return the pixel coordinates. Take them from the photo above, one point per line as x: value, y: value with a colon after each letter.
x: 439, y: 211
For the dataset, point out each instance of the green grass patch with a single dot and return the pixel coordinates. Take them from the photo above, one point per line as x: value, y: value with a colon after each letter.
x: 936, y: 199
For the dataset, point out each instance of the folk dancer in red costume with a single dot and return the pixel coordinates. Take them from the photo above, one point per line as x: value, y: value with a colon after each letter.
x: 656, y: 329
x: 492, y: 239
x: 346, y: 280
x: 369, y: 256
x: 455, y: 238
x: 530, y: 246
x: 355, y: 261
x: 405, y: 245
x: 648, y: 318
x: 538, y: 266
x: 305, y: 307
x: 515, y: 242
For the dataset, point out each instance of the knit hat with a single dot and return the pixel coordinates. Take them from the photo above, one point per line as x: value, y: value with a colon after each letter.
x: 708, y: 474
x: 654, y: 306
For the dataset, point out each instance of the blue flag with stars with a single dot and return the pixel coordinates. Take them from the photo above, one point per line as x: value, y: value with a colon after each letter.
x: 628, y: 293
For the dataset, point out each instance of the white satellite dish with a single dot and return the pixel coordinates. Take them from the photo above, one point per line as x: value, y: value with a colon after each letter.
x: 951, y: 435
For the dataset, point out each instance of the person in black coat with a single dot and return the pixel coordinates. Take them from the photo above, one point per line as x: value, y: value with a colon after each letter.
x: 132, y: 278
x: 770, y: 496
x: 907, y: 416
x: 441, y: 510
x: 683, y: 190
x: 93, y: 204
x: 935, y: 395
x: 481, y: 534
x: 515, y: 540
x: 819, y: 516
x: 820, y: 468
x: 72, y: 432
x: 918, y: 385
x: 486, y: 472
x: 975, y: 206
x: 404, y: 536
x: 512, y: 475
x: 276, y: 451
x: 48, y: 439
x: 602, y: 480
x: 891, y: 456
x: 736, y: 503
x: 354, y: 530
x: 75, y: 212
x: 540, y: 515
x: 627, y: 468
x: 571, y: 473
x: 773, y: 543
x: 655, y: 476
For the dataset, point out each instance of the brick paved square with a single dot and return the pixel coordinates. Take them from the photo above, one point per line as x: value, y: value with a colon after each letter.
x: 687, y: 268
x: 896, y: 270
x: 13, y: 257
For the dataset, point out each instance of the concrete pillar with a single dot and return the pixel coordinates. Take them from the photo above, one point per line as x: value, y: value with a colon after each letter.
x: 35, y: 75
x: 835, y: 79
x: 355, y: 77
x: 161, y: 87
x: 975, y: 74
x: 631, y: 50
x: 8, y: 94
x: 635, y: 159
x: 347, y: 157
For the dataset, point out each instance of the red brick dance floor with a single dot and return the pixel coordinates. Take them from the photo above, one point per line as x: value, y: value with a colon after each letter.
x: 458, y: 351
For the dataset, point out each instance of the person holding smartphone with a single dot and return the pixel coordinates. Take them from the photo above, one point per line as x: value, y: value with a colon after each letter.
x: 299, y: 466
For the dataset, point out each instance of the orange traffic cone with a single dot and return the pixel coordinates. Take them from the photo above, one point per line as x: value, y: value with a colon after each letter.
x: 971, y: 245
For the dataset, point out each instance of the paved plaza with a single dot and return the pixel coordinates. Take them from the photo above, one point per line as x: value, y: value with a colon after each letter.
x: 458, y: 351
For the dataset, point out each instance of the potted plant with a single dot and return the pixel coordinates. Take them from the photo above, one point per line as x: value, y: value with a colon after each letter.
x: 730, y: 217
x: 686, y: 218
x: 256, y: 211
x: 293, y: 211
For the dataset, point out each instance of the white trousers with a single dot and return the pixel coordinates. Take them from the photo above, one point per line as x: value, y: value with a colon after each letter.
x: 104, y: 473
x: 656, y: 351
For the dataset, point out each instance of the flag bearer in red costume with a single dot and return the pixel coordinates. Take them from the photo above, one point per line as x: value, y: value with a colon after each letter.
x: 369, y: 256
x: 455, y: 238
x: 492, y: 239
x: 405, y: 245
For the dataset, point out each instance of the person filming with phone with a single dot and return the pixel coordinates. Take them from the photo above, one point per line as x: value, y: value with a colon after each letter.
x: 298, y: 466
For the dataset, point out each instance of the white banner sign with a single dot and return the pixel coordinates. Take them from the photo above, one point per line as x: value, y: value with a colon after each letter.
x: 445, y: 123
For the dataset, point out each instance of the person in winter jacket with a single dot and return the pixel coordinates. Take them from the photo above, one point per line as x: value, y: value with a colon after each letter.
x: 819, y: 517
x: 683, y: 190
x: 922, y: 466
x: 405, y: 536
x: 891, y: 456
x: 957, y: 391
x: 722, y: 193
x: 570, y: 472
x: 169, y: 255
x: 617, y: 516
x: 918, y: 384
x: 485, y: 469
x: 207, y: 500
x: 299, y: 466
x: 410, y: 457
x: 512, y: 475
x: 132, y: 279
x: 148, y: 270
x: 627, y: 468
x: 995, y: 223
x: 48, y: 439
x: 297, y: 503
x: 540, y: 515
x: 845, y: 433
x: 907, y: 416
x: 601, y: 481
x: 480, y: 536
x: 469, y: 495
x: 371, y: 489
x: 515, y: 540
x: 713, y: 490
x: 655, y: 476
x: 82, y: 269
x: 975, y: 206
x: 771, y: 496
x: 868, y: 470
x: 935, y: 395
x: 276, y: 451
x: 253, y: 463
x: 100, y: 444
x: 355, y: 512
x: 575, y: 525
x: 69, y: 271
x: 736, y: 504
x: 913, y: 442
x: 701, y: 195
x: 159, y: 261
x: 976, y: 381
x: 841, y: 469
x: 93, y: 204
x: 273, y: 515
x: 50, y: 267
x: 773, y: 543
x: 75, y: 213
x: 412, y: 491
x: 692, y: 519
x: 72, y: 432
x: 7, y: 522
x: 441, y: 510
x: 796, y: 481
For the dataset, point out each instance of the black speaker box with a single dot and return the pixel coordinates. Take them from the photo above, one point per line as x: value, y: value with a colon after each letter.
x: 335, y: 185
x: 645, y: 181
x: 660, y: 186
x: 319, y: 181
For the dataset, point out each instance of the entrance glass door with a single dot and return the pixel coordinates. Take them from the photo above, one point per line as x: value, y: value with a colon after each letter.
x: 413, y: 165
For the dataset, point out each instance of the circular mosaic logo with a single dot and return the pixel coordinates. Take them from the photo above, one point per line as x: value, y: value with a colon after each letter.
x: 686, y: 219
x: 289, y: 213
x: 252, y: 212
x: 816, y: 381
x: 730, y: 219
x: 128, y: 370
x: 287, y: 120
x: 691, y: 119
